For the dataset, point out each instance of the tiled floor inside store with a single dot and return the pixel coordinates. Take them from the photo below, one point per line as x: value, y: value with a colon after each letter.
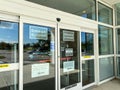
x: 111, y: 85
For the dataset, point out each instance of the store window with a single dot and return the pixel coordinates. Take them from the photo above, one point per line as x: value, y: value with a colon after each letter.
x: 8, y: 55
x: 106, y: 66
x: 9, y: 80
x: 118, y: 40
x: 105, y: 40
x: 84, y: 8
x: 117, y: 11
x: 8, y: 42
x: 105, y: 14
x: 118, y: 66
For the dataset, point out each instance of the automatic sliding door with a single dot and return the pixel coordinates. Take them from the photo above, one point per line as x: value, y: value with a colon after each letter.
x: 39, y: 57
x: 69, y: 58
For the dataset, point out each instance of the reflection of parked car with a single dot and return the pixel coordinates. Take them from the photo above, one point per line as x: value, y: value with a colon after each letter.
x: 35, y: 52
x: 31, y: 52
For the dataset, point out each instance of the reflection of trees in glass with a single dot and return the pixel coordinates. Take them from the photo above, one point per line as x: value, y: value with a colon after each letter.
x: 87, y: 48
x: 6, y: 46
x: 41, y: 45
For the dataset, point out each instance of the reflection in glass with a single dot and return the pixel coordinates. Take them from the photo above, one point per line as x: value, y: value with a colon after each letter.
x: 69, y: 57
x: 117, y: 12
x: 118, y: 40
x: 105, y: 14
x: 105, y: 40
x: 106, y: 66
x: 9, y: 80
x: 84, y: 8
x: 8, y: 42
x: 87, y: 42
x: 118, y: 66
x: 39, y: 65
x: 87, y: 72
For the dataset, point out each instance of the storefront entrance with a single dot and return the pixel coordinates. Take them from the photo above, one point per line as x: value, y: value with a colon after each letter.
x: 69, y: 61
x: 43, y: 55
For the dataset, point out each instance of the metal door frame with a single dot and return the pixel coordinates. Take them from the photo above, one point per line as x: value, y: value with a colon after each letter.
x: 69, y: 27
x: 96, y: 63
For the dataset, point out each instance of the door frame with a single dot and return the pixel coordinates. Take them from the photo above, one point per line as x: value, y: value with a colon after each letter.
x: 10, y: 66
x: 14, y: 66
x: 95, y: 56
x: 68, y: 27
x: 35, y: 21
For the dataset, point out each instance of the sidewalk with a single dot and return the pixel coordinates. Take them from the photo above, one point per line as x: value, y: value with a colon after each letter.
x: 111, y: 85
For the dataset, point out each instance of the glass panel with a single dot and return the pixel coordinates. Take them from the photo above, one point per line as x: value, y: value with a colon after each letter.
x: 118, y: 66
x: 118, y: 41
x: 87, y: 72
x: 87, y: 43
x: 39, y: 57
x: 8, y: 42
x: 106, y: 66
x: 69, y: 57
x: 105, y: 14
x: 117, y: 11
x: 9, y: 80
x: 105, y: 40
x: 84, y: 8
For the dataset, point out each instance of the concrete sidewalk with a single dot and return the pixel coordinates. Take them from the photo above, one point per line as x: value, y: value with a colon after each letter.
x: 111, y: 85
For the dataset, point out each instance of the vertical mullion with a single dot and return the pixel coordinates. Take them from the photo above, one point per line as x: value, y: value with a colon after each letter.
x: 20, y: 54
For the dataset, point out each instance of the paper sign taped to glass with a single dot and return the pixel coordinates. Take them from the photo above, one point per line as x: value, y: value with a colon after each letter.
x: 69, y: 52
x: 68, y: 66
x: 37, y: 32
x: 68, y: 36
x: 39, y: 70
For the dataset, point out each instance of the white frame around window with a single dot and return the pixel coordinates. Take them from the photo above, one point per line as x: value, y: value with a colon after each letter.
x: 11, y: 66
x: 35, y: 21
x: 10, y: 18
x: 73, y: 28
x: 108, y: 79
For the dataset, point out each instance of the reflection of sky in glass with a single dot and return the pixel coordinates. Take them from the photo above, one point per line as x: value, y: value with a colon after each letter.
x: 85, y: 37
x: 26, y: 33
x: 8, y: 32
x: 84, y: 15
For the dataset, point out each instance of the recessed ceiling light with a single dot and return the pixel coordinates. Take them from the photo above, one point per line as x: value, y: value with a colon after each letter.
x: 84, y: 11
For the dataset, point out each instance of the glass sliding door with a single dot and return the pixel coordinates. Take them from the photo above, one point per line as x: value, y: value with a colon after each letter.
x: 39, y: 57
x: 69, y: 59
x: 9, y: 55
x: 87, y: 50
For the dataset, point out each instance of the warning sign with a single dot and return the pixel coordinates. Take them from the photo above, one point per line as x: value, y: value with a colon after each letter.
x: 4, y: 65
